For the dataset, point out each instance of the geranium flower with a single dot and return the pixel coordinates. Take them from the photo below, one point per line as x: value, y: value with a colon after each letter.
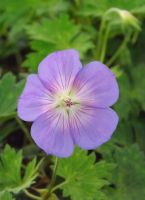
x: 69, y: 104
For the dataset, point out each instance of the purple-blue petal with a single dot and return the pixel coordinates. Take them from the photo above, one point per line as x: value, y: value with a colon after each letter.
x: 96, y: 85
x: 58, y: 70
x: 91, y: 127
x: 51, y: 133
x: 35, y: 99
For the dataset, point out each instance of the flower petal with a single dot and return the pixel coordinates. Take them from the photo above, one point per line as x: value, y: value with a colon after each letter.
x: 92, y: 127
x: 52, y: 134
x: 96, y: 85
x: 34, y: 100
x: 59, y: 69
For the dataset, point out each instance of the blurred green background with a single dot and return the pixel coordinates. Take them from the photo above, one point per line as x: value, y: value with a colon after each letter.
x: 112, y: 31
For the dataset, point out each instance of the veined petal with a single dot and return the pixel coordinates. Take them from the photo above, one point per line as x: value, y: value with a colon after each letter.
x: 51, y: 133
x: 96, y: 85
x: 35, y: 99
x: 59, y: 69
x: 92, y: 127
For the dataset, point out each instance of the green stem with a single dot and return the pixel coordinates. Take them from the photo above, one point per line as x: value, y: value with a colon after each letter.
x: 31, y: 195
x: 59, y: 185
x: 24, y: 129
x: 100, y: 37
x: 100, y: 53
x: 117, y: 53
x: 134, y: 38
x: 102, y: 26
x: 104, y: 44
x: 47, y: 194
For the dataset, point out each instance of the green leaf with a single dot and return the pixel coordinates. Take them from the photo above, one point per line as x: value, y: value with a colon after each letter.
x: 123, y: 106
x: 138, y: 74
x: 125, y: 57
x: 6, y: 128
x: 54, y: 31
x: 31, y: 173
x: 137, y: 55
x: 10, y: 171
x: 41, y: 50
x: 6, y: 196
x: 9, y: 93
x: 56, y: 34
x: 139, y: 131
x: 129, y: 175
x: 84, y: 179
x: 123, y: 135
x: 107, y: 151
x: 16, y: 15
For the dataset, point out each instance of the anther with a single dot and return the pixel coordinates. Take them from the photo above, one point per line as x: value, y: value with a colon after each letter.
x: 68, y: 102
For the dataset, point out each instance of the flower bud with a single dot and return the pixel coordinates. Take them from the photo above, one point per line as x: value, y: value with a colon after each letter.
x: 129, y: 19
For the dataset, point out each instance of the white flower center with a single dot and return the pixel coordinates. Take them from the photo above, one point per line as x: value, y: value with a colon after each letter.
x: 66, y: 100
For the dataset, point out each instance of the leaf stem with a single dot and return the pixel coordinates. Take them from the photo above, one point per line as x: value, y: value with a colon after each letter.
x: 50, y: 188
x: 104, y: 44
x: 31, y: 195
x: 24, y: 128
x: 118, y: 51
x: 59, y: 185
x: 103, y: 21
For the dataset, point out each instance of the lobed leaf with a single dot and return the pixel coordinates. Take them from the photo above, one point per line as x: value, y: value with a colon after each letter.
x: 9, y: 93
x: 6, y: 196
x: 129, y: 175
x: 84, y: 179
x: 17, y: 14
x: 11, y: 178
x: 57, y: 34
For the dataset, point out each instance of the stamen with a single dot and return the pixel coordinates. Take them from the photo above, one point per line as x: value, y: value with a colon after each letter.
x: 68, y: 102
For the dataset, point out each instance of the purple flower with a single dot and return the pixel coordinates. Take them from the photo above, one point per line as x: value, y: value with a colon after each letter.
x: 69, y: 104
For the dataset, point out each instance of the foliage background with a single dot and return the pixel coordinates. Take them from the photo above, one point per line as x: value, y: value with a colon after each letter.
x: 31, y: 29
